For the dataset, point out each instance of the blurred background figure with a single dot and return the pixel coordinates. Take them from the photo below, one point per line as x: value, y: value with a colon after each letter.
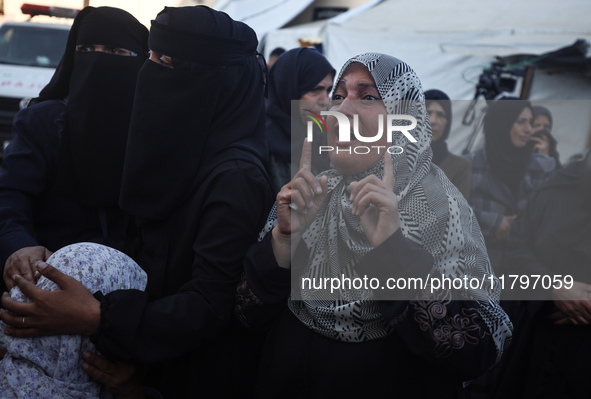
x: 274, y: 55
x: 505, y: 173
x: 299, y: 74
x: 457, y: 169
x: 549, y: 357
x: 61, y: 176
x: 545, y: 143
x: 542, y: 119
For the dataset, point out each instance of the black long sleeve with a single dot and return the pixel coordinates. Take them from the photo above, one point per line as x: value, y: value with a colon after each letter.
x: 193, y: 287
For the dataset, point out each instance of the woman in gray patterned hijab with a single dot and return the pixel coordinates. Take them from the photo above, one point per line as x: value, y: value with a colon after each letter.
x: 384, y: 216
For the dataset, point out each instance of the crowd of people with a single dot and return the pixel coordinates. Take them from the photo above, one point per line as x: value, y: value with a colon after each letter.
x: 165, y: 197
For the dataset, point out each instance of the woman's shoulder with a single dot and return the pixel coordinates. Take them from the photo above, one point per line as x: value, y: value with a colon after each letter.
x: 455, y: 161
x: 40, y: 123
x: 44, y: 109
x: 541, y: 163
x: 235, y: 173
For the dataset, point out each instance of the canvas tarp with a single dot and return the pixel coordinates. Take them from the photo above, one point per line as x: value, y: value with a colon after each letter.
x: 449, y: 43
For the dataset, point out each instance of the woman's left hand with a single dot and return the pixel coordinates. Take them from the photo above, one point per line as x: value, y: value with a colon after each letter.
x: 376, y: 204
x: 121, y: 379
x: 70, y: 310
x: 574, y: 305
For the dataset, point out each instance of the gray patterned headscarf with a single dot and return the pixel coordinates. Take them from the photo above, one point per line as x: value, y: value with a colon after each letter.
x: 51, y: 366
x: 433, y: 214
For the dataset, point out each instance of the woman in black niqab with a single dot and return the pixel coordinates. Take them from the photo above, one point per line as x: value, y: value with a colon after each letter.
x: 189, y: 119
x: 196, y: 190
x: 98, y: 89
x: 61, y: 176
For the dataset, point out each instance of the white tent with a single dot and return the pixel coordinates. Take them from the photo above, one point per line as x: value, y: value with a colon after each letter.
x: 262, y: 16
x: 449, y: 43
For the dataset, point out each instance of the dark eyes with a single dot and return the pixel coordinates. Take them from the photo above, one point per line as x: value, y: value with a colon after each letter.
x: 367, y: 97
x: 522, y: 121
x: 436, y: 113
x: 84, y: 48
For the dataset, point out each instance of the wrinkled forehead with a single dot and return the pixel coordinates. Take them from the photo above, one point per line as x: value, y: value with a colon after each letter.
x: 355, y: 67
x: 355, y: 73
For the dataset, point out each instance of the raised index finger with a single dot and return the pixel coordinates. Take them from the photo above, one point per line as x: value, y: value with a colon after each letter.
x: 388, y: 178
x: 306, y: 158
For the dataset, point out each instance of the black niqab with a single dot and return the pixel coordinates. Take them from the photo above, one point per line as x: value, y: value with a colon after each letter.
x: 439, y: 147
x: 99, y: 90
x: 295, y: 73
x: 507, y: 162
x: 188, y: 120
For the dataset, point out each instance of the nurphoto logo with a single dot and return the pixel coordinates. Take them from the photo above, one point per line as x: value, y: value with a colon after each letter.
x: 345, y: 131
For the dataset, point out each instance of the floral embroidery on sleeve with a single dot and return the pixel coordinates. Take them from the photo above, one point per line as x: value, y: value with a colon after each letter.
x: 449, y: 331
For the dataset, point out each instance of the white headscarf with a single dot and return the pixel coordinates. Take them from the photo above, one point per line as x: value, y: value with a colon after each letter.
x: 51, y: 366
x: 433, y: 214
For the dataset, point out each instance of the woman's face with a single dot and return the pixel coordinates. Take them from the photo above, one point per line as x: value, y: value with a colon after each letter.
x: 356, y: 94
x: 438, y: 120
x: 88, y: 48
x: 542, y: 122
x: 317, y: 99
x: 161, y: 59
x: 521, y: 130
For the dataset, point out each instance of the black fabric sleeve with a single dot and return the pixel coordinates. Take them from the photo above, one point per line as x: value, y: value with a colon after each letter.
x: 521, y: 256
x: 450, y: 334
x: 133, y: 326
x: 25, y: 174
x: 264, y: 288
x: 268, y: 281
x: 520, y: 251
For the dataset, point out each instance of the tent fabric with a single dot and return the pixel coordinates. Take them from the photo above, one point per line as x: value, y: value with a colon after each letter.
x: 454, y: 40
x: 263, y: 16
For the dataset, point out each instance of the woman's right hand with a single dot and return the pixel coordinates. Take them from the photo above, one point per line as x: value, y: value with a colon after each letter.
x: 504, y: 228
x: 121, y: 379
x: 574, y: 304
x: 69, y: 310
x: 22, y: 263
x: 541, y: 145
x: 298, y: 203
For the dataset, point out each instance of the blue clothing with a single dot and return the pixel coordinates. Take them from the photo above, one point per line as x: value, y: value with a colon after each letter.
x: 491, y: 199
x: 32, y: 209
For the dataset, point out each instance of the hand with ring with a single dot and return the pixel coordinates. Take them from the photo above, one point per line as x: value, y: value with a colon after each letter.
x: 69, y: 310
